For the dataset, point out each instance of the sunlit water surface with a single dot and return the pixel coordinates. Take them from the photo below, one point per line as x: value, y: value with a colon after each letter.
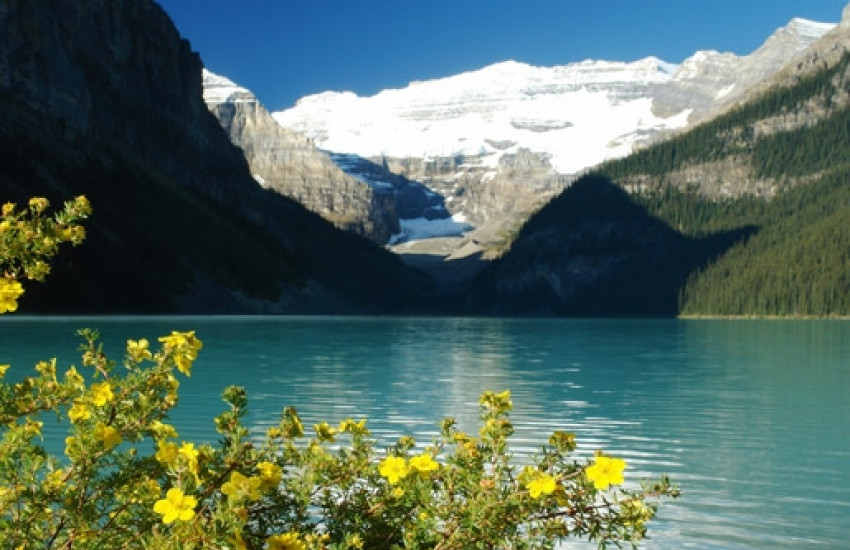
x: 750, y: 418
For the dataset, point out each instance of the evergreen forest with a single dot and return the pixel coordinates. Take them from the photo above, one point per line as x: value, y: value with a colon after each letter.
x: 795, y: 260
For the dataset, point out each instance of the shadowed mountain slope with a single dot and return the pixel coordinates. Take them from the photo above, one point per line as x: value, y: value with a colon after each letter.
x: 593, y: 251
x: 103, y: 98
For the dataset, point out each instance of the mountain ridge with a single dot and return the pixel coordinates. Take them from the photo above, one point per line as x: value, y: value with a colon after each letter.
x: 461, y: 135
x: 486, y: 104
x: 104, y: 98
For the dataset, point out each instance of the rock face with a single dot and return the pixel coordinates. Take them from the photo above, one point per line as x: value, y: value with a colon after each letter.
x: 491, y: 201
x: 104, y: 98
x: 823, y: 53
x: 709, y: 81
x: 287, y: 162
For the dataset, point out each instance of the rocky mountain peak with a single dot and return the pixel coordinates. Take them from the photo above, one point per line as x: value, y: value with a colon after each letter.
x: 845, y: 17
x: 824, y: 52
x: 709, y: 81
x: 220, y: 89
x: 287, y: 162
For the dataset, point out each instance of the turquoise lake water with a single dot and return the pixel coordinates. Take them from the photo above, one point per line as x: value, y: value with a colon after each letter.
x: 750, y: 418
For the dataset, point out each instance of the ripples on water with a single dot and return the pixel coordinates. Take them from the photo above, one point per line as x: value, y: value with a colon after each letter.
x: 749, y: 417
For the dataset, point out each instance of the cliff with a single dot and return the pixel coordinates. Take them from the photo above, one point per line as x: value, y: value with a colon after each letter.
x: 287, y: 162
x: 104, y: 98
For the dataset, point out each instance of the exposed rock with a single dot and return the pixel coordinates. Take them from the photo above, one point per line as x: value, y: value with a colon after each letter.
x: 287, y: 162
x: 104, y: 98
x: 494, y: 201
x: 822, y: 54
x: 709, y: 81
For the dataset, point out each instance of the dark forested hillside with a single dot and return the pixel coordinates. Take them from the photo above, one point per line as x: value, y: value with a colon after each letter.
x: 796, y: 261
x: 595, y: 251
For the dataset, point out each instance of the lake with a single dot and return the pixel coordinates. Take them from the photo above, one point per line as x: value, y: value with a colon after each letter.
x: 750, y: 418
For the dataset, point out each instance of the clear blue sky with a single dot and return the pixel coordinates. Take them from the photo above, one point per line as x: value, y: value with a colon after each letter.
x: 286, y: 49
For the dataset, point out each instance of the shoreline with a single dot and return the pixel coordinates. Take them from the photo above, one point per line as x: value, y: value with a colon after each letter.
x: 754, y: 317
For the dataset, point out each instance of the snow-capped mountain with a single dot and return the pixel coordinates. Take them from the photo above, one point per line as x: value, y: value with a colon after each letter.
x: 577, y: 115
x: 572, y: 113
x: 498, y: 142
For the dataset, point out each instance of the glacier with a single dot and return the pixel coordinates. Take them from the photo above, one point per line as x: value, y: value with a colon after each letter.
x: 577, y: 115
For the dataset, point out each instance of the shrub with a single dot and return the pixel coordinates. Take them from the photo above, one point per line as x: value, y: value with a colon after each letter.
x: 127, y: 480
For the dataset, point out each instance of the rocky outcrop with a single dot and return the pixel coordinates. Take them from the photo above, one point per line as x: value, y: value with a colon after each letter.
x: 493, y: 200
x: 709, y: 81
x: 287, y: 162
x: 104, y: 98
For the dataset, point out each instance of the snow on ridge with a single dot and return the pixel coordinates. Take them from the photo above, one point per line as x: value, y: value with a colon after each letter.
x: 725, y: 91
x: 809, y: 29
x: 579, y: 114
x: 220, y: 89
x: 570, y: 112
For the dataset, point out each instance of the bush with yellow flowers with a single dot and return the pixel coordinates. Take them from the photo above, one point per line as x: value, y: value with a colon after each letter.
x: 127, y: 480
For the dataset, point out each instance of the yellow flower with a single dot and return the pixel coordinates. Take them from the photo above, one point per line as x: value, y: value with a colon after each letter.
x: 394, y: 468
x: 350, y: 426
x: 188, y: 451
x: 8, y: 208
x: 184, y: 346
x: 107, y: 435
x: 10, y: 291
x: 287, y: 541
x: 79, y: 412
x: 163, y: 430
x: 606, y: 471
x: 101, y: 394
x: 324, y: 432
x: 38, y: 204
x: 424, y: 463
x: 241, y: 488
x: 541, y: 484
x: 81, y: 206
x: 3, y: 369
x: 175, y: 506
x: 138, y: 350
x: 500, y: 402
x: 270, y: 475
x: 166, y: 452
x: 74, y: 378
